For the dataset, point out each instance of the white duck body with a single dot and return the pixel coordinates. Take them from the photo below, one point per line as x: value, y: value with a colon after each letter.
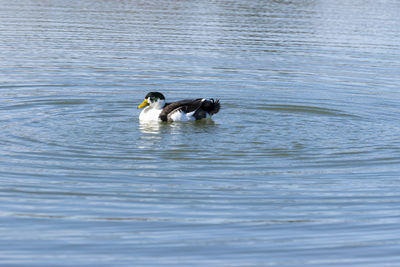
x: 153, y: 109
x: 180, y: 115
x: 150, y: 114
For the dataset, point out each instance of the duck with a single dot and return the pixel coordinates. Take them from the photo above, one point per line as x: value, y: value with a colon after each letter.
x: 156, y: 109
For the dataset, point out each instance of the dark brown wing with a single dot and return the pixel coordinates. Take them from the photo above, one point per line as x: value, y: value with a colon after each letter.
x: 186, y: 106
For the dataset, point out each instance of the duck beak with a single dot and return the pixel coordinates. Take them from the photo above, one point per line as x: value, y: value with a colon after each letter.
x: 145, y: 103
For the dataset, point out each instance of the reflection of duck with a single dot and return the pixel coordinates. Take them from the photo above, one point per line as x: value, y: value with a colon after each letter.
x: 157, y: 110
x: 150, y: 127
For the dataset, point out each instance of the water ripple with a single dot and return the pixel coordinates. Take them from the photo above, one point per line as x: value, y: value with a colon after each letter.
x: 305, y: 109
x: 300, y: 167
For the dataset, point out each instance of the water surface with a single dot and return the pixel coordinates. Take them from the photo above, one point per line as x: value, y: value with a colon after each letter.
x: 299, y: 168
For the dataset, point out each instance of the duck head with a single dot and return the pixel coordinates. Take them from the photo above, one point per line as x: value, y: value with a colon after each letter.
x: 154, y: 100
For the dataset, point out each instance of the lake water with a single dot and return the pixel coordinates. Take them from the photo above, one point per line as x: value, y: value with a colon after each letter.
x: 301, y: 166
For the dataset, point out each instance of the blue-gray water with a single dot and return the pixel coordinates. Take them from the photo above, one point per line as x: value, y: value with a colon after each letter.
x: 301, y: 166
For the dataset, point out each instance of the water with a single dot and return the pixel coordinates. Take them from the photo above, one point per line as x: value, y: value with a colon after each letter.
x: 299, y: 168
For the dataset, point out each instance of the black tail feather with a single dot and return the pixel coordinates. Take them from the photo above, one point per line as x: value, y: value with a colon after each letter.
x: 211, y: 106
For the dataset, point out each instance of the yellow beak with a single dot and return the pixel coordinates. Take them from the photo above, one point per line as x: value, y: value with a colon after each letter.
x: 144, y: 104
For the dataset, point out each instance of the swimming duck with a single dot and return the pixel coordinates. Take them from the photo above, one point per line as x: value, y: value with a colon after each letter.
x: 156, y: 109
